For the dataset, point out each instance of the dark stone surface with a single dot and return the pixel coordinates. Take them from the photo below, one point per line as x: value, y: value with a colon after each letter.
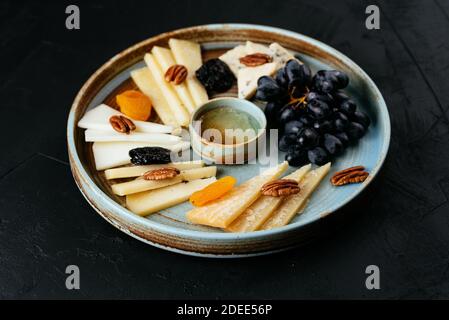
x: 401, y: 224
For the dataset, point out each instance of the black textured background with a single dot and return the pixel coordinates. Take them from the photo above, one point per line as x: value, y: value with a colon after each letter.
x: 400, y: 224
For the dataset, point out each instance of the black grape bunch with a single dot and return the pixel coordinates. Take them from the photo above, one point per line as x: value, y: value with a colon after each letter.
x: 315, y: 118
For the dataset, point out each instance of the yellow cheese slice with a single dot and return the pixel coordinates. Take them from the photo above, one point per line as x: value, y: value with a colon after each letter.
x: 146, y: 83
x: 136, y: 171
x: 188, y: 54
x: 294, y: 203
x: 223, y: 211
x: 147, y: 202
x: 140, y: 184
x: 257, y: 213
x: 165, y: 59
x: 176, y: 106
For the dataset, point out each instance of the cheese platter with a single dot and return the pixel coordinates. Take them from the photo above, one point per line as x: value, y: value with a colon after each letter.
x: 226, y: 140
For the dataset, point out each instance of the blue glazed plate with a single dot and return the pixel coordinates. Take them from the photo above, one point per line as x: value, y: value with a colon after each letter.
x: 169, y: 228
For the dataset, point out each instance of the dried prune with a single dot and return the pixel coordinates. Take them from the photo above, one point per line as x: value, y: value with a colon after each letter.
x: 149, y: 155
x: 215, y: 76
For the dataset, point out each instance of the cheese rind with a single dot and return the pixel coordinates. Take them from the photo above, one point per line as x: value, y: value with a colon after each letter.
x: 165, y: 59
x: 188, y: 54
x: 147, y: 202
x: 113, y: 154
x: 178, y: 109
x: 294, y: 204
x: 137, y: 171
x: 222, y: 212
x: 147, y: 84
x: 256, y: 214
x: 247, y: 78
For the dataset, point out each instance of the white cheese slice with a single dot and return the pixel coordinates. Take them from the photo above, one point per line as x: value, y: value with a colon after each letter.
x: 140, y: 184
x: 294, y: 204
x: 188, y: 53
x: 247, y: 79
x: 165, y: 59
x: 113, y: 154
x: 177, y: 107
x: 147, y: 202
x: 98, y: 119
x: 145, y: 81
x: 257, y: 213
x: 92, y: 135
x: 137, y: 171
x: 220, y: 213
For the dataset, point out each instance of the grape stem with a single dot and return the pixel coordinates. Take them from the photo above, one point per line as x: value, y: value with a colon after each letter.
x: 297, y: 102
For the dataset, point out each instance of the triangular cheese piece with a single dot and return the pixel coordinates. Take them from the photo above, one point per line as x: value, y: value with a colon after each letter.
x: 257, y: 213
x: 247, y: 78
x: 223, y: 211
x: 280, y: 55
x: 188, y: 53
x: 165, y: 59
x: 291, y: 205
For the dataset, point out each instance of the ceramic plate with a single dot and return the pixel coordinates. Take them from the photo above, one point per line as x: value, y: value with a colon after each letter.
x: 169, y: 229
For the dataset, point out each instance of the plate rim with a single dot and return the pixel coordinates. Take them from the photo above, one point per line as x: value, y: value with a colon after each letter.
x: 114, y: 207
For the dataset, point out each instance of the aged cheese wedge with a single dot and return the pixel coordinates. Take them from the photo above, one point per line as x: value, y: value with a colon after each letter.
x: 257, y: 213
x: 140, y: 184
x: 188, y: 54
x: 223, y: 211
x: 92, y: 135
x: 165, y: 59
x: 147, y: 202
x: 98, y: 119
x: 247, y: 78
x: 113, y: 154
x: 147, y: 84
x: 137, y: 171
x: 178, y: 109
x: 295, y: 203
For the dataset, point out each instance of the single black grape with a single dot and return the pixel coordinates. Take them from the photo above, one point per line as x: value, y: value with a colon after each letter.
x: 293, y: 126
x: 332, y: 144
x: 271, y: 112
x: 318, y: 109
x: 348, y: 107
x: 362, y: 118
x: 268, y: 89
x: 339, y: 79
x: 318, y: 156
x: 307, y: 120
x: 286, y: 115
x: 309, y: 138
x: 299, y: 75
x: 287, y: 141
x: 281, y: 78
x: 343, y: 137
x: 296, y: 157
x: 215, y: 76
x: 339, y: 96
x: 341, y: 121
x: 149, y: 155
x: 355, y: 131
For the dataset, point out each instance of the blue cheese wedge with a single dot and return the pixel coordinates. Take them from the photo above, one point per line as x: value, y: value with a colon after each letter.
x: 232, y: 58
x: 280, y: 55
x: 247, y: 78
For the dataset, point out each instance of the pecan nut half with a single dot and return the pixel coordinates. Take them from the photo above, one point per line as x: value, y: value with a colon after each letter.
x: 161, y: 174
x: 280, y: 188
x: 122, y: 124
x: 255, y: 59
x: 355, y: 174
x: 176, y: 74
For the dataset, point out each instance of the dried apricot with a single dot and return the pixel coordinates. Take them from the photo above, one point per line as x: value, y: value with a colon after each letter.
x: 213, y: 191
x: 135, y: 105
